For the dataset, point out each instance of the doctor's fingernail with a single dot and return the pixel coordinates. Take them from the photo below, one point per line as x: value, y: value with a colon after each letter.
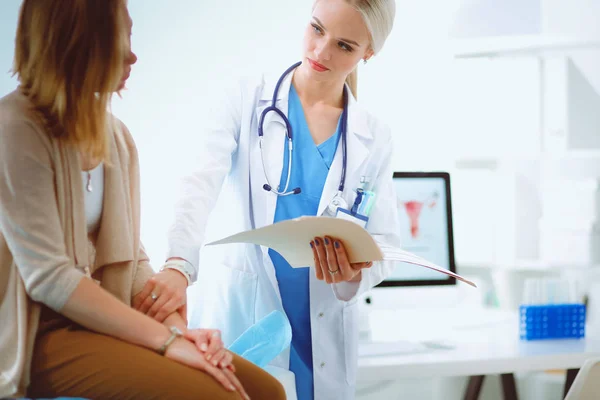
x: 203, y: 347
x: 326, y: 241
x: 311, y: 245
x: 317, y: 242
x: 337, y: 245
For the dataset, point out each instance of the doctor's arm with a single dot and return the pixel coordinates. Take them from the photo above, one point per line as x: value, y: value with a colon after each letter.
x: 200, y: 190
x: 383, y: 226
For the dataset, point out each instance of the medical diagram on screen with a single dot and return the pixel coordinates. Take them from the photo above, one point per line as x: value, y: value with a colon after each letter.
x: 423, y: 225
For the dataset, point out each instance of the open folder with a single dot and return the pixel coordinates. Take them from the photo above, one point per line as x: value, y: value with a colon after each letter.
x: 291, y: 239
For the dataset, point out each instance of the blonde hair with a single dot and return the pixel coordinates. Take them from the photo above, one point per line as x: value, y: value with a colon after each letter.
x: 378, y: 16
x: 69, y: 57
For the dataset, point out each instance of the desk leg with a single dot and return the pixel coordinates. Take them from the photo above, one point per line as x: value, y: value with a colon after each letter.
x: 571, y: 374
x: 509, y: 387
x: 474, y: 387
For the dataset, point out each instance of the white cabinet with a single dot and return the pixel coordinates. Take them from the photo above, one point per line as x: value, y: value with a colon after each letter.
x: 563, y: 39
x: 570, y: 104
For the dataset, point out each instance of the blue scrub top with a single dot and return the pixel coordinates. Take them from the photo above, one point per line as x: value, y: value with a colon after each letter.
x: 310, y: 166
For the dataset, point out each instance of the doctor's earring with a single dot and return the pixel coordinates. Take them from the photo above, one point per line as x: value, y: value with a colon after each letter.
x: 365, y: 61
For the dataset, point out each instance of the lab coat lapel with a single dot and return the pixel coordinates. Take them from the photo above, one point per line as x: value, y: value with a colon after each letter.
x: 274, y: 146
x: 264, y: 203
x: 357, y: 135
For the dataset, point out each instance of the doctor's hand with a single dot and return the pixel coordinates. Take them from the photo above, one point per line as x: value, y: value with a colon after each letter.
x: 331, y: 261
x: 209, y: 343
x: 163, y: 294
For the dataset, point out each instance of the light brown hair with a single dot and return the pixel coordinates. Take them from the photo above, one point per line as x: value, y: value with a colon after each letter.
x: 69, y: 57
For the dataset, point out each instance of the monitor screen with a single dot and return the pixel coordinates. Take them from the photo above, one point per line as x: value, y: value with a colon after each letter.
x: 425, y: 223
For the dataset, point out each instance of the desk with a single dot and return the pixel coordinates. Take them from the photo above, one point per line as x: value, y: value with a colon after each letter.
x: 483, y: 350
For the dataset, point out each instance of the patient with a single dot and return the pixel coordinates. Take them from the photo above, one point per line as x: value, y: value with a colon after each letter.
x: 71, y: 261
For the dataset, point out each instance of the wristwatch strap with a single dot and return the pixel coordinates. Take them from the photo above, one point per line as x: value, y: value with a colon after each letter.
x: 175, y: 333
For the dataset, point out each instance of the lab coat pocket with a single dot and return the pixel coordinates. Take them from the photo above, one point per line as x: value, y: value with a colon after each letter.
x: 351, y: 341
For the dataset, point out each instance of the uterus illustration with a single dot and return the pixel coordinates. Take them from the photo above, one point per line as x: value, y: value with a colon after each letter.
x: 414, y: 209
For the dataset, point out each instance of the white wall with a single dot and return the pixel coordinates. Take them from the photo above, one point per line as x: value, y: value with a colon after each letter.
x: 9, y: 10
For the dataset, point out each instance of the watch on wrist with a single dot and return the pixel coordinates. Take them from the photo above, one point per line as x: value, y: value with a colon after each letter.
x: 175, y: 333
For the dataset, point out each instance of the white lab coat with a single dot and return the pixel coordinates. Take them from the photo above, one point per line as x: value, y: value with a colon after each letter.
x: 243, y: 287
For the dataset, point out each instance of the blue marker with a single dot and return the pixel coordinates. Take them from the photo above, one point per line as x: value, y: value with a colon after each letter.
x: 357, y: 201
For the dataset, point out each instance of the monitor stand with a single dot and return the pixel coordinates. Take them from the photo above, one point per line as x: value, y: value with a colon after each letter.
x: 370, y: 348
x: 382, y: 306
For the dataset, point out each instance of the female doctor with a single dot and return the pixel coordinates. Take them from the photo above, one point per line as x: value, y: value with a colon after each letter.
x: 337, y: 148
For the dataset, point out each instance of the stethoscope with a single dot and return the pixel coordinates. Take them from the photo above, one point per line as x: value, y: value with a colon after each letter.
x: 338, y: 200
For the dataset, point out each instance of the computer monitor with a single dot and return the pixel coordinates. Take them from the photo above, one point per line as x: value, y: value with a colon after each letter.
x: 425, y: 228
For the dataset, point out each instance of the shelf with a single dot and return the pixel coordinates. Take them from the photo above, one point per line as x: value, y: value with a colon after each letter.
x: 494, y: 162
x: 533, y: 266
x: 519, y: 46
x: 593, y: 154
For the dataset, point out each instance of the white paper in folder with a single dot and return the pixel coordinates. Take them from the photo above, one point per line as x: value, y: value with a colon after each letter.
x: 291, y: 238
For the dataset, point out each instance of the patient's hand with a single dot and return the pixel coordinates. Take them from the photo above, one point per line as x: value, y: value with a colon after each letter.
x: 209, y: 343
x: 163, y: 294
x: 185, y: 352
